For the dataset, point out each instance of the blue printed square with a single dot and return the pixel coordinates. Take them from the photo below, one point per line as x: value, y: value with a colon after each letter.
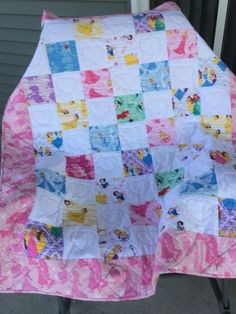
x: 62, y: 56
x: 105, y: 138
x: 155, y: 76
x: 51, y: 180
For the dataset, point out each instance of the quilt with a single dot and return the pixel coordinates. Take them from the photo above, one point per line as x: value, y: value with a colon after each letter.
x: 118, y: 159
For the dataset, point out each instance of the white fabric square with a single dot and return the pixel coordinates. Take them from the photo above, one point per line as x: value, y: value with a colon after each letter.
x: 67, y: 86
x: 108, y: 165
x: 152, y: 46
x: 204, y: 51
x: 110, y: 216
x: 200, y: 213
x: 81, y: 190
x: 215, y: 101
x: 47, y: 208
x: 39, y: 64
x: 145, y: 239
x: 92, y: 54
x: 158, y: 105
x: 118, y: 25
x: 184, y: 73
x: 163, y: 157
x: 101, y: 111
x: 226, y: 181
x: 77, y: 142
x: 55, y: 163
x: 125, y: 80
x: 80, y: 242
x: 186, y: 128
x: 58, y: 30
x: 141, y: 189
x: 133, y: 135
x: 44, y: 118
x: 176, y: 20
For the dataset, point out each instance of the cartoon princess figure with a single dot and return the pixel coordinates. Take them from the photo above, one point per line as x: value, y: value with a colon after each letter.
x: 114, y: 253
x: 55, y: 138
x: 110, y: 52
x: 121, y: 234
x: 119, y: 196
x: 180, y: 225
x: 78, y: 217
x: 220, y: 157
x: 165, y: 138
x: 173, y: 212
x: 103, y: 183
x: 193, y: 104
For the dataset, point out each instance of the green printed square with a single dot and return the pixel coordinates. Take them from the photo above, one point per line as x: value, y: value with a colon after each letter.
x: 129, y: 108
x: 168, y: 180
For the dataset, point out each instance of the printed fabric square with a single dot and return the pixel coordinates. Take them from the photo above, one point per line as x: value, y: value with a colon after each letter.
x: 73, y: 114
x: 77, y: 142
x: 78, y: 214
x: 226, y: 180
x: 48, y: 144
x: 68, y: 86
x: 148, y: 22
x: 137, y: 162
x: 47, y: 208
x: 97, y: 83
x: 186, y: 102
x: 80, y: 167
x: 155, y: 76
x: 129, y: 108
x: 38, y: 89
x: 133, y: 135
x: 168, y: 180
x: 104, y: 138
x: 152, y: 47
x: 219, y: 126
x: 62, y: 56
x: 51, y: 181
x: 92, y: 54
x: 227, y: 217
x: 145, y: 214
x: 211, y: 72
x: 158, y: 105
x: 89, y: 28
x: 101, y: 111
x: 108, y: 165
x: 182, y: 43
x: 183, y: 73
x: 215, y: 101
x: 125, y: 80
x: 122, y: 50
x: 44, y: 118
x: 43, y: 240
x: 161, y: 132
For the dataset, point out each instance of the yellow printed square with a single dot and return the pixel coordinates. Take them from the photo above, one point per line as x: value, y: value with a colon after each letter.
x: 73, y: 114
x: 89, y: 28
x: 219, y: 126
x: 78, y: 214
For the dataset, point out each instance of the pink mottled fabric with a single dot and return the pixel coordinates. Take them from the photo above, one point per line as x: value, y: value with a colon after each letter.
x: 126, y: 278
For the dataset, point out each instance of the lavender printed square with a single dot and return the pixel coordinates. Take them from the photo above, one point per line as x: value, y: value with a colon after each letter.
x: 148, y: 22
x: 38, y: 89
x: 43, y: 240
x: 227, y: 217
x: 137, y: 162
x: 62, y: 56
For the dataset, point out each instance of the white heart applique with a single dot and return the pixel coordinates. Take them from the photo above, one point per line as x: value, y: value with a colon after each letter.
x: 139, y: 188
x: 49, y: 206
x: 150, y: 45
x: 183, y: 73
x: 146, y: 238
x: 82, y: 239
x: 204, y: 209
x: 75, y: 143
x: 112, y: 217
x: 92, y: 53
x: 66, y: 85
x: 43, y: 117
x: 125, y: 80
x: 215, y: 98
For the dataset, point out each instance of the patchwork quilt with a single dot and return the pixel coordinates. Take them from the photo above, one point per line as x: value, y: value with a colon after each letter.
x: 118, y: 159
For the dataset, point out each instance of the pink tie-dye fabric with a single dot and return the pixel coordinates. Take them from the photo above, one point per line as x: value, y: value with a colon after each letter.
x: 128, y: 278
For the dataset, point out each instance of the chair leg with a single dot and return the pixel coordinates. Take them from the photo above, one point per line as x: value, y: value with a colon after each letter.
x: 64, y: 305
x: 221, y: 294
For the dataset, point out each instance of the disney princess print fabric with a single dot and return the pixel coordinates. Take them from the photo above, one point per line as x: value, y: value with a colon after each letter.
x: 118, y: 159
